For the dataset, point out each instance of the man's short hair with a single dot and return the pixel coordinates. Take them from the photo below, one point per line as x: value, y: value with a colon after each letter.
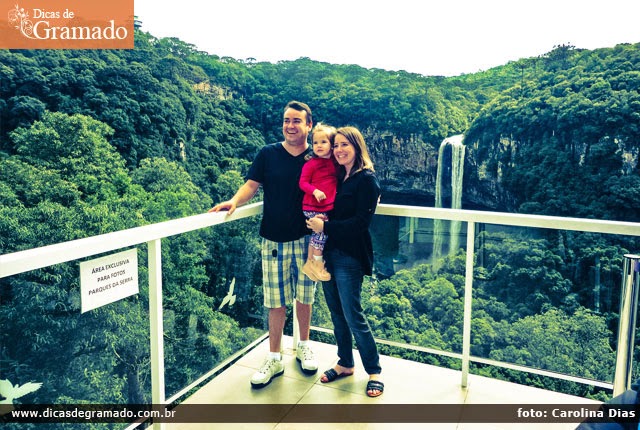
x: 301, y: 107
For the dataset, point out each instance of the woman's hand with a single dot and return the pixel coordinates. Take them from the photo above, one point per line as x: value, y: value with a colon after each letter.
x: 316, y: 223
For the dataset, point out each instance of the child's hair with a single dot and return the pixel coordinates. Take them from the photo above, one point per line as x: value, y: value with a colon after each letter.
x: 329, y: 130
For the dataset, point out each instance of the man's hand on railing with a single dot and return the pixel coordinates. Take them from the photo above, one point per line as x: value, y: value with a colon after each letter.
x: 243, y: 195
x: 229, y: 205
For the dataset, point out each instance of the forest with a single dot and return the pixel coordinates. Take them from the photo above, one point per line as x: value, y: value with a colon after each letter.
x: 98, y: 141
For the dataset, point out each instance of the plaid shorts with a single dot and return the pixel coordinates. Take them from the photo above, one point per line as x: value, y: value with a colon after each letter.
x: 282, y: 277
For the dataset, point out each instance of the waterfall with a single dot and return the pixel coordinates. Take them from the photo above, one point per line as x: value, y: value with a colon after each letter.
x: 438, y: 224
x: 457, y: 173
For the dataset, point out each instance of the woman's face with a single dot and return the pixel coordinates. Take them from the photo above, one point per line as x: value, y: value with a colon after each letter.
x: 344, y: 152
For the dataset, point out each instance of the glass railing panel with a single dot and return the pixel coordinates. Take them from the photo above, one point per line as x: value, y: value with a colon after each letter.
x: 414, y: 299
x: 53, y: 353
x: 212, y: 298
x: 543, y: 299
x: 212, y: 308
x: 547, y: 299
x: 417, y: 292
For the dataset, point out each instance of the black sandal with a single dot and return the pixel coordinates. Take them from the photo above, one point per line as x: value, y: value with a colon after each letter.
x: 374, y: 384
x: 332, y: 375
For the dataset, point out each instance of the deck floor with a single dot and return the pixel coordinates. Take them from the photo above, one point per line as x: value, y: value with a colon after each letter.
x: 406, y: 383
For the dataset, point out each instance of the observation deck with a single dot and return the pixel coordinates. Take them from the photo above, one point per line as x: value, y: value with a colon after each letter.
x: 422, y: 389
x: 403, y: 237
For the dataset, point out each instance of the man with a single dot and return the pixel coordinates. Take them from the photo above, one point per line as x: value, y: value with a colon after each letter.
x: 277, y: 169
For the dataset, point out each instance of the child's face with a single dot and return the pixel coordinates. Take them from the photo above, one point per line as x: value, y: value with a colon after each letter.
x: 321, y: 144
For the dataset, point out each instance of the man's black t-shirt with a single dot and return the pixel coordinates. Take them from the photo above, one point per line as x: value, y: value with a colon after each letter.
x: 279, y: 173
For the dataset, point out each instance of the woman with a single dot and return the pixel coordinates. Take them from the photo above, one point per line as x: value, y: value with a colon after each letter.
x: 349, y: 256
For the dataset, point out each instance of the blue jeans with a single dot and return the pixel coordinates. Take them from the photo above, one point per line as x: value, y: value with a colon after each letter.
x: 342, y: 293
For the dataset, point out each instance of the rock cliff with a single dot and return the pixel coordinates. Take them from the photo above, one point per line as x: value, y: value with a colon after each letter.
x: 407, y: 169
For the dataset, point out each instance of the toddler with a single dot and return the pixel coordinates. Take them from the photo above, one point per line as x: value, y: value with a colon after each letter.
x: 319, y: 181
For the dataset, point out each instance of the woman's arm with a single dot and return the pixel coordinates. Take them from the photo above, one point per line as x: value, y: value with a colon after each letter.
x: 358, y: 220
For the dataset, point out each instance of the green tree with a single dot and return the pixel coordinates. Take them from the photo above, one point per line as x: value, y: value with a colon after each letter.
x: 573, y: 344
x: 524, y: 273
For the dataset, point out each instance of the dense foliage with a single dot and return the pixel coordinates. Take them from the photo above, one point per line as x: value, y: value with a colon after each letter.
x: 565, y: 140
x: 98, y: 141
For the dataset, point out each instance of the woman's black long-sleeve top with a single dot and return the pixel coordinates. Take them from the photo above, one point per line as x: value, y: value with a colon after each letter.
x: 348, y: 225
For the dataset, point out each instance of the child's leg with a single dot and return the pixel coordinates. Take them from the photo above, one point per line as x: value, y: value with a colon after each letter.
x: 311, y: 252
x: 316, y: 246
x: 318, y: 242
x: 314, y: 267
x: 319, y: 268
x: 308, y: 267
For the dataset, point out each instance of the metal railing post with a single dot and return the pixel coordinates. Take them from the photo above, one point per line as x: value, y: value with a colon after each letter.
x: 627, y: 323
x: 412, y: 229
x: 156, y: 327
x: 468, y: 300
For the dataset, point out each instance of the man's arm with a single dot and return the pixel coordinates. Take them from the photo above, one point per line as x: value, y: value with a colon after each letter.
x: 243, y: 195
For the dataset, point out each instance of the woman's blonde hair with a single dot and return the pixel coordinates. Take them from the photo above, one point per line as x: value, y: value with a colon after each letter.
x: 355, y: 138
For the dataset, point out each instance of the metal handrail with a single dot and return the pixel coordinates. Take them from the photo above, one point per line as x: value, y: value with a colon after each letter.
x: 37, y: 258
x: 511, y: 219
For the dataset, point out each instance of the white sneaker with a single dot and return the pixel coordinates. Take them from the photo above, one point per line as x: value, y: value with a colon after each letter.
x: 269, y: 369
x: 305, y: 357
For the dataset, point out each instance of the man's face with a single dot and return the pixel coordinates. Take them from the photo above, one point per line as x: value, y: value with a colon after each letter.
x: 294, y: 127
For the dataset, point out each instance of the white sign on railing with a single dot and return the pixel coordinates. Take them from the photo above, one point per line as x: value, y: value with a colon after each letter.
x: 108, y: 279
